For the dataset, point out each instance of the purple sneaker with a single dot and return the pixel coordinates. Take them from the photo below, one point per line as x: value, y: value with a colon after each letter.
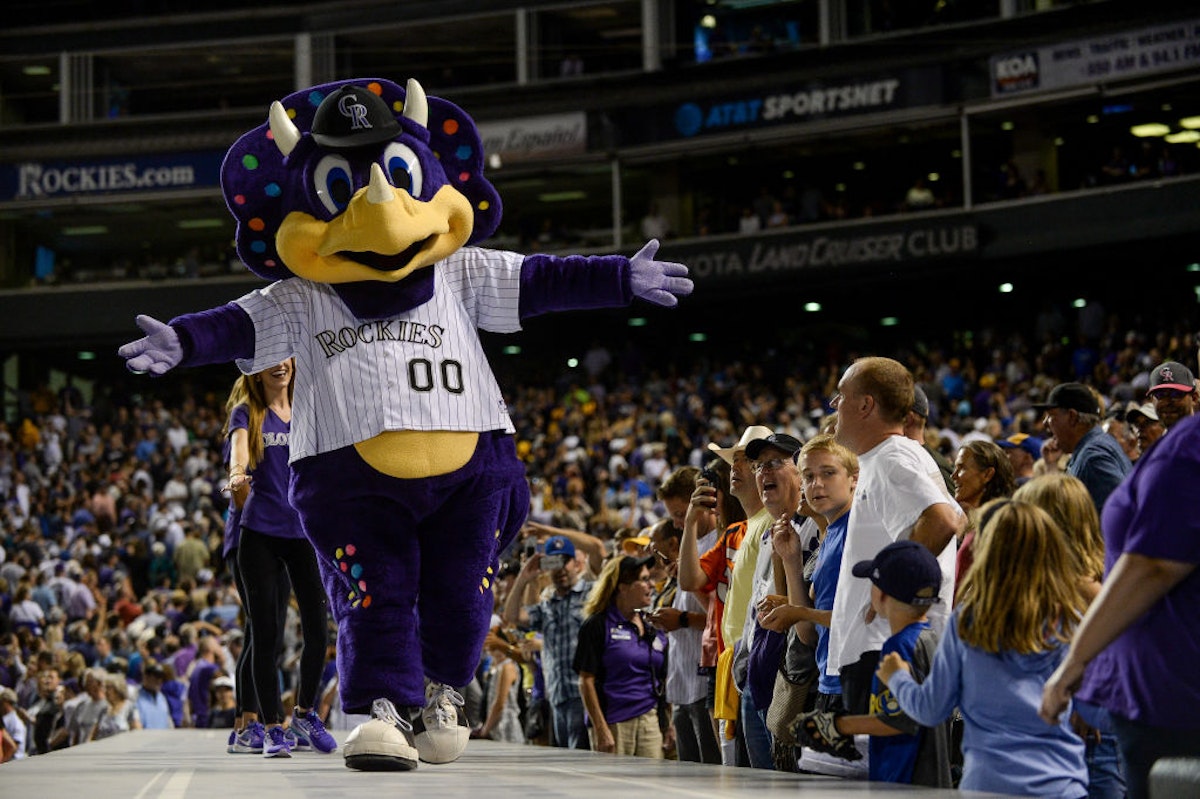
x: 249, y: 741
x: 276, y: 744
x: 310, y: 731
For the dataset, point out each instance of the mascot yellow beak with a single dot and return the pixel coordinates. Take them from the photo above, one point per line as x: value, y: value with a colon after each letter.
x: 383, y: 235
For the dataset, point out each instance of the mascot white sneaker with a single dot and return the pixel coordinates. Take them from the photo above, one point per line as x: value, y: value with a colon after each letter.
x: 442, y: 729
x: 384, y: 743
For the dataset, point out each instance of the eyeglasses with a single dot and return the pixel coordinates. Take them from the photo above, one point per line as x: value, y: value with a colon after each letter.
x: 769, y: 466
x: 835, y: 399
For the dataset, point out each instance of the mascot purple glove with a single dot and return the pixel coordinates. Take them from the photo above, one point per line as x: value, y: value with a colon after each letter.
x: 659, y: 282
x: 158, y: 352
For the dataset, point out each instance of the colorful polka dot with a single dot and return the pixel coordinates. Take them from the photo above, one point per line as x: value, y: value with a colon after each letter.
x: 375, y: 88
x: 356, y: 571
x: 351, y: 550
x: 487, y: 583
x: 258, y: 246
x: 257, y: 225
x: 483, y: 206
x: 362, y: 585
x: 366, y: 603
x: 398, y: 106
x: 250, y: 161
x: 463, y: 177
x: 239, y: 199
x: 270, y: 262
x: 463, y: 152
x: 315, y: 98
x: 272, y: 190
x: 450, y: 127
x: 344, y: 566
x: 337, y: 553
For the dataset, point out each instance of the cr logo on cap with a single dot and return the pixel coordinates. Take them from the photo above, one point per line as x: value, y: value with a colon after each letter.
x: 353, y: 110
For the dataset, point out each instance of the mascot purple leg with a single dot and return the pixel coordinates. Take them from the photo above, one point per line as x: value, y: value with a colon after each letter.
x: 409, y: 567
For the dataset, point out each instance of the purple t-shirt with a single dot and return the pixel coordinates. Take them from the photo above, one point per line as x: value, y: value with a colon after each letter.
x: 1152, y: 679
x: 630, y: 670
x: 267, y: 510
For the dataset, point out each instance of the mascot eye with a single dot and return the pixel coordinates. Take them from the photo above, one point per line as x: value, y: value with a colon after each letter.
x: 403, y: 168
x: 333, y: 183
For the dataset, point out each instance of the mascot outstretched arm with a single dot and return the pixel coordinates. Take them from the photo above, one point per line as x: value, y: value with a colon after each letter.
x: 362, y: 201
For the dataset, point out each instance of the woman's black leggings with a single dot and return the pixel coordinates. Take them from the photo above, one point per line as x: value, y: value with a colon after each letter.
x: 244, y: 693
x: 266, y: 564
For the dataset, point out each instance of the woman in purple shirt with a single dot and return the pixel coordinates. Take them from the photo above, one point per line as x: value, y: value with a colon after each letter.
x: 621, y: 660
x: 273, y: 551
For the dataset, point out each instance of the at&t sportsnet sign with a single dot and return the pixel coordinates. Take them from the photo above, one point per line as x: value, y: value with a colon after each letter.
x: 785, y: 104
x: 36, y: 180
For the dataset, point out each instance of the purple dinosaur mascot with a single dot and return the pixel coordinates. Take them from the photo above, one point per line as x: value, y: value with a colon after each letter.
x: 362, y: 202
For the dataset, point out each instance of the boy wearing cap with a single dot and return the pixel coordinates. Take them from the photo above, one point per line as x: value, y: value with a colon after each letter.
x: 905, y: 580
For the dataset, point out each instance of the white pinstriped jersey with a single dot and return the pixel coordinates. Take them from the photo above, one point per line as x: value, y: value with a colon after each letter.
x: 423, y: 369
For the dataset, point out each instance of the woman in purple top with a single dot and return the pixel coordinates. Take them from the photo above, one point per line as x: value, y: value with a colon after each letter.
x: 1144, y: 622
x: 247, y: 734
x: 271, y: 552
x: 621, y: 660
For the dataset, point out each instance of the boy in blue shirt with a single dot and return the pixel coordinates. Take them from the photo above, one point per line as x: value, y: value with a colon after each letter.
x: 905, y: 578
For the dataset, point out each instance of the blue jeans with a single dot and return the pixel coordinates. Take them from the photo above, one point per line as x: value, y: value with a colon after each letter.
x: 1142, y: 745
x: 1106, y: 773
x: 566, y: 719
x: 758, y: 738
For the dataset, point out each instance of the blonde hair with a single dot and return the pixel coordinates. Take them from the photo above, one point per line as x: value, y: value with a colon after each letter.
x: 1068, y: 502
x: 1020, y: 594
x: 606, y: 584
x: 824, y: 442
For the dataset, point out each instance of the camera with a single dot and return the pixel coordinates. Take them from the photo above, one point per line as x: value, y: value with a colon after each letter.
x: 553, y: 562
x: 529, y: 545
x: 711, y: 476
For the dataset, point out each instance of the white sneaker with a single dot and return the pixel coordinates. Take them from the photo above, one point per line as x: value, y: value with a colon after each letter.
x: 442, y: 730
x: 384, y: 743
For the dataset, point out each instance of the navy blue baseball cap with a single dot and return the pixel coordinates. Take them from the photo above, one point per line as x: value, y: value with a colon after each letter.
x: 906, y: 571
x: 559, y: 545
x: 1031, y: 444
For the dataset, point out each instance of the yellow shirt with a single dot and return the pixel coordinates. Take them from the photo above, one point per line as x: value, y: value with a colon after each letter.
x: 741, y: 580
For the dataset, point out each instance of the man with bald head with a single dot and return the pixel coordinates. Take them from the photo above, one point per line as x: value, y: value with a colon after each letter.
x: 900, y: 495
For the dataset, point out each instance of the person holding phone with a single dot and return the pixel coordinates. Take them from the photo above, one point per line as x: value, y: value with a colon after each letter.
x: 558, y: 616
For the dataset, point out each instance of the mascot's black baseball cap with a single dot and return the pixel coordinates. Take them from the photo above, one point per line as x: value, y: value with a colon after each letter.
x: 353, y: 116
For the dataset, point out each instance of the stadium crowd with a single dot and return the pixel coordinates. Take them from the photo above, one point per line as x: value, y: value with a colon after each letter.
x: 117, y: 611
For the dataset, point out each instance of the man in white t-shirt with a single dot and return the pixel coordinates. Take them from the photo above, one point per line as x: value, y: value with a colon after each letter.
x: 900, y: 494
